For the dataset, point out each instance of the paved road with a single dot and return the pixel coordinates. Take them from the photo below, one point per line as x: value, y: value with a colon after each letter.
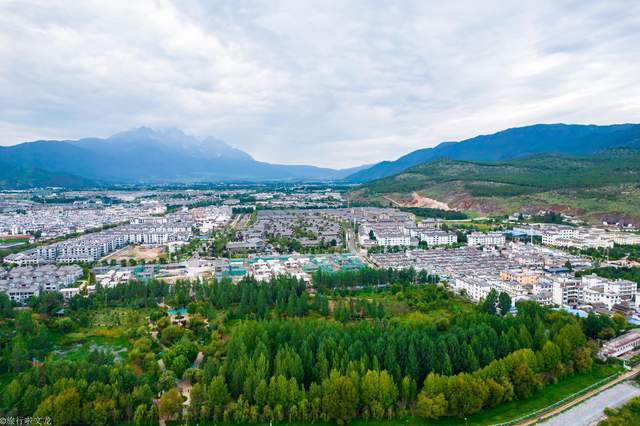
x: 591, y: 410
x: 579, y: 400
x: 351, y: 242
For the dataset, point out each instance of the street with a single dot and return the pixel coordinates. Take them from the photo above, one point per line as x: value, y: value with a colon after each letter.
x: 590, y: 411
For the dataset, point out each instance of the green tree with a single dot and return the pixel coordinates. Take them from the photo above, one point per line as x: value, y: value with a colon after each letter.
x: 19, y: 354
x: 218, y: 393
x: 489, y: 304
x: 167, y: 380
x: 431, y: 407
x: 171, y: 403
x: 179, y: 365
x: 551, y: 355
x: 66, y: 407
x: 340, y: 398
x: 140, y: 415
x: 583, y: 359
x: 525, y: 382
x: 504, y: 301
x: 6, y: 306
x: 198, y: 403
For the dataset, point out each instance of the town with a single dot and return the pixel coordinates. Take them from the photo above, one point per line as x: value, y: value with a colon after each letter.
x: 83, y: 245
x: 319, y: 213
x: 234, y: 233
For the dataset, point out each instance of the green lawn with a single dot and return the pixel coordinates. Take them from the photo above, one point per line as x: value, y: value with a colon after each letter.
x: 107, y: 331
x: 75, y: 346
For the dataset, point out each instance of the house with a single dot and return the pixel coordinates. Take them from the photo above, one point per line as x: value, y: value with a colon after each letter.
x: 486, y: 239
x: 621, y: 344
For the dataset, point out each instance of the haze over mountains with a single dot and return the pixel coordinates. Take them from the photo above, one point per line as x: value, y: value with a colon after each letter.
x: 145, y: 155
x: 142, y: 155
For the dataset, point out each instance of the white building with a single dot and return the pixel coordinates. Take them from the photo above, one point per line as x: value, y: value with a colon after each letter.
x: 597, y: 290
x: 393, y: 239
x: 486, y: 239
x: 23, y: 282
x: 438, y: 238
x: 566, y: 290
x: 478, y: 287
x: 582, y: 237
x: 621, y: 344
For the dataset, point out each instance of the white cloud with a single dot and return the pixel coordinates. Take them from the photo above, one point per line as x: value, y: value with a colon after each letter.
x: 330, y: 83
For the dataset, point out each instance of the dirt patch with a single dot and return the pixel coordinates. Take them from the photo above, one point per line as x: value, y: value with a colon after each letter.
x: 137, y: 253
x: 418, y: 200
x: 461, y: 200
x: 618, y: 218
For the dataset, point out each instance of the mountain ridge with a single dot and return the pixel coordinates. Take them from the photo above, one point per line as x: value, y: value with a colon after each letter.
x: 593, y: 187
x: 560, y: 138
x: 145, y: 155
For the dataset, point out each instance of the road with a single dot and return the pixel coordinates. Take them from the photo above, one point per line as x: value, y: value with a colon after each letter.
x: 577, y: 401
x: 591, y: 411
x: 351, y: 241
x: 397, y: 204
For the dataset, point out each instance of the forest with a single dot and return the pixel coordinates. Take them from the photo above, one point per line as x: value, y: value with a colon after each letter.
x: 346, y: 348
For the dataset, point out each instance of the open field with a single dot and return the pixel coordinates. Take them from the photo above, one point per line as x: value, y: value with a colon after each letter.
x: 107, y: 331
x: 136, y: 253
x: 14, y: 240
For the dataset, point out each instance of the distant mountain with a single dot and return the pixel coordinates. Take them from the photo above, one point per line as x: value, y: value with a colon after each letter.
x: 145, y: 155
x: 605, y: 184
x: 569, y: 139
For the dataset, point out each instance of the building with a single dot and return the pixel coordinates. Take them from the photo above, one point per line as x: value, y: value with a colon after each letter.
x: 566, y: 290
x: 250, y: 245
x: 486, y: 239
x: 23, y: 282
x: 597, y: 290
x: 478, y: 287
x: 583, y: 237
x: 390, y: 239
x: 522, y: 276
x: 621, y: 344
x: 438, y: 238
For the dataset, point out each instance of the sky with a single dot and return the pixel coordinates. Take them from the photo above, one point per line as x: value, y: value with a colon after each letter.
x: 329, y: 83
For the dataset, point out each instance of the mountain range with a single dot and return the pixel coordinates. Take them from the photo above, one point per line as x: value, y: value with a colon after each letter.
x: 145, y: 155
x: 601, y: 187
x: 142, y: 155
x: 567, y: 139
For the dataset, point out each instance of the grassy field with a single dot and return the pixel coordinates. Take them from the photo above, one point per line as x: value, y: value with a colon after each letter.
x: 14, y: 240
x: 411, y: 308
x: 76, y: 345
x: 107, y: 331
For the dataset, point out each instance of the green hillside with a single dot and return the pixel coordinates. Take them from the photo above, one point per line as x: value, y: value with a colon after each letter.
x: 19, y: 177
x: 597, y: 187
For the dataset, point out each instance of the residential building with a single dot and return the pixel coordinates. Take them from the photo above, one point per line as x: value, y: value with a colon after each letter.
x: 621, y: 344
x: 486, y: 239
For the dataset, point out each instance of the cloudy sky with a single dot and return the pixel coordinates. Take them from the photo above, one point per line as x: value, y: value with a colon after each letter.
x: 331, y: 83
